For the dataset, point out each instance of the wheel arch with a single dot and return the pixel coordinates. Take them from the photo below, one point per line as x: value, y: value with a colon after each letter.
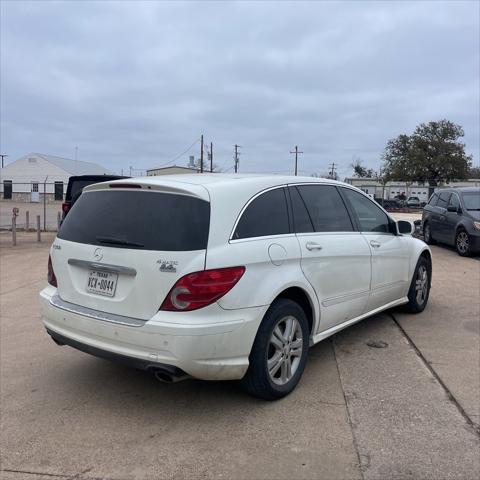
x: 299, y: 295
x: 427, y: 254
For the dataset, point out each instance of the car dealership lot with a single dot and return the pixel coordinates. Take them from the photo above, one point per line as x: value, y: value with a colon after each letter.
x: 407, y: 410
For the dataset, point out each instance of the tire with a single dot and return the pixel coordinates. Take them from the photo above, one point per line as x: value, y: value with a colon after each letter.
x: 462, y: 243
x: 427, y: 234
x: 418, y: 293
x: 273, y: 345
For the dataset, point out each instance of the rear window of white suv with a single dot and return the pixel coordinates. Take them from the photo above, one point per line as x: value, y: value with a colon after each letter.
x: 141, y: 220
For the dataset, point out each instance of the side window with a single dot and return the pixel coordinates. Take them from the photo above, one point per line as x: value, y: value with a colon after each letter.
x: 433, y: 200
x: 266, y: 215
x: 454, y: 202
x: 326, y: 208
x: 443, y: 199
x: 370, y: 217
x: 301, y: 219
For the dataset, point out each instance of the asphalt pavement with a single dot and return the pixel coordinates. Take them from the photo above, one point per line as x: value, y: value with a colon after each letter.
x: 396, y: 396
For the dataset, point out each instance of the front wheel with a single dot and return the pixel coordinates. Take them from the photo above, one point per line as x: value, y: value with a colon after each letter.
x: 427, y: 234
x: 420, y: 287
x: 462, y: 243
x: 279, y: 352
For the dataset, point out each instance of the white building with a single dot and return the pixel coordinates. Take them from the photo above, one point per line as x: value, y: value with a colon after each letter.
x: 173, y: 170
x: 32, y: 175
x: 409, y: 189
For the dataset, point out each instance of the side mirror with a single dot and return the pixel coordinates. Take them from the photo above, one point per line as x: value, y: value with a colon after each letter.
x: 405, y: 227
x: 452, y: 208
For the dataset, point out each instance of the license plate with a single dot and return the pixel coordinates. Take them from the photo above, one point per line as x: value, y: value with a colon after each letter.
x: 102, y: 283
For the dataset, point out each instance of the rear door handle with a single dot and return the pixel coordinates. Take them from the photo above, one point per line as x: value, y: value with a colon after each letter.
x: 313, y: 246
x: 375, y: 244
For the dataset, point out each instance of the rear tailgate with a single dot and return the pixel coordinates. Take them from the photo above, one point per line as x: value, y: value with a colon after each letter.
x: 120, y: 250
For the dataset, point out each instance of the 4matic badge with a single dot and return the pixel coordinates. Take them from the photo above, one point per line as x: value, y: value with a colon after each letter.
x: 167, y: 265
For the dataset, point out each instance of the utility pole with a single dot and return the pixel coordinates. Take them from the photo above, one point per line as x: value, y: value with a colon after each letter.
x: 3, y: 156
x: 211, y: 157
x: 332, y: 172
x: 201, y: 154
x: 131, y: 168
x: 76, y: 153
x: 236, y: 157
x: 296, y: 152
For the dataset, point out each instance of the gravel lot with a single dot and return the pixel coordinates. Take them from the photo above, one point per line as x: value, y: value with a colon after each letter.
x: 409, y: 410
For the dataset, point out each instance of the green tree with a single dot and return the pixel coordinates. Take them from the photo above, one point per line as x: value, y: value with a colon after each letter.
x: 433, y: 154
x: 360, y: 171
x: 474, y: 172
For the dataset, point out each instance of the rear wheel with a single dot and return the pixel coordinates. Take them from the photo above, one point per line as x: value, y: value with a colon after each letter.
x: 427, y: 234
x: 462, y: 243
x: 419, y: 288
x: 279, y: 353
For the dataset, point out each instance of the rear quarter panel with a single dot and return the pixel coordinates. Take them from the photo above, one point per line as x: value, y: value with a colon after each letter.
x: 272, y: 265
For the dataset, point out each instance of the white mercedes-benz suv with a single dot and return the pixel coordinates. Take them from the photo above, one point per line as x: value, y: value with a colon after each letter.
x: 223, y: 277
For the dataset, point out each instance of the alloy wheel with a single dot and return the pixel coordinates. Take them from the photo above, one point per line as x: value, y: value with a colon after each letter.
x: 421, y: 285
x: 284, y: 350
x: 427, y: 233
x: 462, y: 242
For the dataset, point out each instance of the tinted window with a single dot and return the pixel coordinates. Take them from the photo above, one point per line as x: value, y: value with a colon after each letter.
x: 454, y: 201
x: 471, y: 200
x: 370, y: 217
x: 266, y: 215
x: 301, y: 218
x: 433, y: 200
x: 77, y: 184
x: 443, y: 200
x: 326, y: 208
x: 145, y: 220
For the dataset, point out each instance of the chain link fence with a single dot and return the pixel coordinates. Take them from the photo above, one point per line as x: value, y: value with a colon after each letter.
x: 22, y: 203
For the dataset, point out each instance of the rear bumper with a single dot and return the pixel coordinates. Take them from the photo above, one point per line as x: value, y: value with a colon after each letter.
x: 209, y: 344
x: 128, y: 361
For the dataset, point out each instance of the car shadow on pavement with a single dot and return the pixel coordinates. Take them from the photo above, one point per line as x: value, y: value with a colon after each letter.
x: 102, y: 383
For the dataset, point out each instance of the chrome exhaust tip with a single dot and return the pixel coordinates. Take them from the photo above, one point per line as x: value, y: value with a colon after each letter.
x: 166, y: 376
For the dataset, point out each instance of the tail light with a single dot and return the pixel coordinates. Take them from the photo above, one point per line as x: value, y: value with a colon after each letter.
x: 199, y: 289
x: 65, y: 208
x: 51, y: 278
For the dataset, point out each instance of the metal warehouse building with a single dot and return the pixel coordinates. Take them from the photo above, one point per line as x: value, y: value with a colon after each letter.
x: 31, y: 176
x: 373, y: 187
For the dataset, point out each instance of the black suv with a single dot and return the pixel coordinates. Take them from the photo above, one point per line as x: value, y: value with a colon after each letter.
x: 452, y: 216
x: 76, y: 185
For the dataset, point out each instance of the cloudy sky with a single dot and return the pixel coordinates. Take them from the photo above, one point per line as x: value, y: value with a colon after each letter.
x: 136, y: 83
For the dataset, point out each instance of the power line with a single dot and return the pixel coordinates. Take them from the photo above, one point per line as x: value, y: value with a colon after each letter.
x: 332, y: 172
x: 181, y: 154
x: 211, y: 157
x: 296, y: 152
x: 236, y: 157
x: 201, y: 153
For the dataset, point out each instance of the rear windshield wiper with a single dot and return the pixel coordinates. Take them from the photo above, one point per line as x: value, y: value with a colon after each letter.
x: 119, y: 241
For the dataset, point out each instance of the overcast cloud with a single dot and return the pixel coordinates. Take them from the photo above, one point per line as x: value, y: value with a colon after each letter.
x: 136, y: 83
